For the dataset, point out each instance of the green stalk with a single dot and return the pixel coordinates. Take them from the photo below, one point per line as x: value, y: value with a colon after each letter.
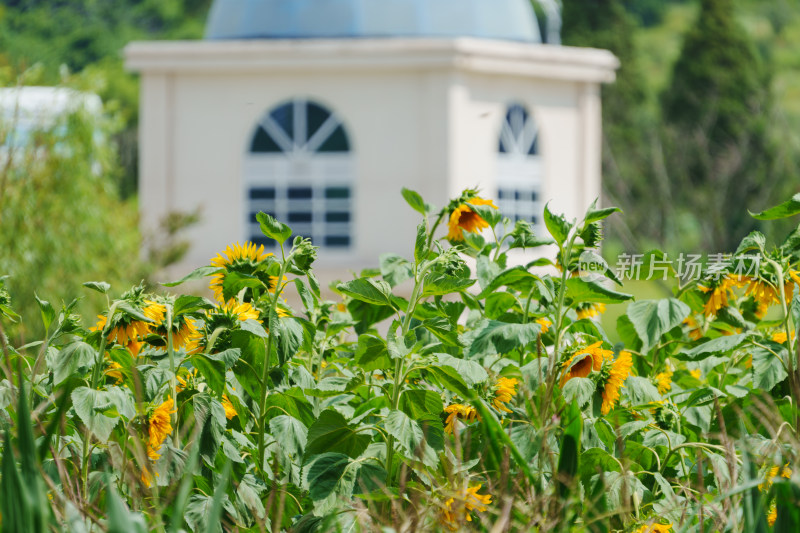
x: 173, y: 380
x: 566, y: 254
x: 262, y: 415
x: 97, y: 372
x: 398, y: 368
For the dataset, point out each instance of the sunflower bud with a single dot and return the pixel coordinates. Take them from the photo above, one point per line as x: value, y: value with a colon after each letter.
x: 304, y: 254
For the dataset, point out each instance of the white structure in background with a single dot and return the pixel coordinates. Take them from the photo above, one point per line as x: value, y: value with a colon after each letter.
x: 26, y: 110
x: 319, y: 111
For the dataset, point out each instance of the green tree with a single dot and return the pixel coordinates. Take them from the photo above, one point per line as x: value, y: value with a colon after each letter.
x: 718, y: 138
x: 627, y: 127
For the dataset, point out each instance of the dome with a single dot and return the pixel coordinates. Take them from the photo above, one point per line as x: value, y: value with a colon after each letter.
x: 310, y: 19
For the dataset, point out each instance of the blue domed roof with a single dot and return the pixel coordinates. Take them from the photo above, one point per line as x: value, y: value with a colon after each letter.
x: 309, y: 19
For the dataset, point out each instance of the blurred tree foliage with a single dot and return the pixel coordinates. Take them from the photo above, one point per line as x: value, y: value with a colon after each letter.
x: 627, y: 125
x: 685, y: 169
x: 69, y: 36
x: 61, y: 217
x: 720, y: 136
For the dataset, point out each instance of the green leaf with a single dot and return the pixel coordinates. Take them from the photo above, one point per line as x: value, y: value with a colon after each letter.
x: 84, y: 400
x: 472, y: 373
x: 186, y: 304
x: 768, y: 370
x: 641, y: 391
x: 581, y: 290
x: 595, y: 215
x: 74, y: 359
x: 372, y: 354
x: 47, y: 312
x: 416, y: 403
x: 289, y: 332
x: 494, y: 337
x: 415, y: 201
x: 367, y: 290
x: 653, y: 318
x: 718, y: 345
x: 516, y: 277
x: 572, y: 428
x: 784, y: 210
x: 234, y: 282
x: 292, y: 402
x: 449, y: 378
x: 290, y: 434
x: 755, y: 241
x: 99, y: 286
x: 395, y: 269
x: 443, y: 329
x: 198, y: 273
x: 278, y: 231
x: 408, y: 432
x: 213, y: 367
x: 578, y: 390
x: 787, y: 494
x: 557, y: 225
x: 421, y: 243
x: 255, y: 327
x: 439, y: 284
x: 326, y: 475
x: 331, y: 433
x: 499, y: 303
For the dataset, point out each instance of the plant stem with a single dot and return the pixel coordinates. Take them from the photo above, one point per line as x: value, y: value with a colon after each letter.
x: 262, y: 415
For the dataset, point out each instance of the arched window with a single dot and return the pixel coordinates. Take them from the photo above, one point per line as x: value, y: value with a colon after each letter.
x: 300, y: 170
x: 519, y: 167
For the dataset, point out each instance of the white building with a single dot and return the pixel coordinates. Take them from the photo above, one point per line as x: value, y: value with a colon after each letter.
x: 320, y: 111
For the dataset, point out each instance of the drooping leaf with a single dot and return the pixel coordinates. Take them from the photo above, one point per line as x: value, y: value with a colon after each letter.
x: 495, y: 337
x: 786, y: 209
x: 653, y: 318
x: 406, y: 431
x: 581, y: 290
x: 376, y: 292
x: 557, y: 225
x: 74, y: 359
x: 290, y: 434
x: 331, y: 433
x: 272, y: 228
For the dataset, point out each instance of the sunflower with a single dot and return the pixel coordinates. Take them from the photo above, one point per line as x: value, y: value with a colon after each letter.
x: 654, y: 528
x: 126, y: 333
x: 456, y: 411
x: 588, y: 310
x: 617, y: 374
x: 237, y: 257
x: 159, y: 425
x: 795, y: 275
x: 765, y: 294
x: 696, y: 373
x: 185, y: 331
x: 584, y: 361
x: 504, y: 390
x: 114, y: 370
x: 155, y: 312
x: 458, y: 508
x: 664, y: 381
x: 719, y: 295
x: 780, y: 336
x: 230, y: 410
x: 545, y: 323
x: 465, y: 219
x: 238, y: 311
x: 695, y: 329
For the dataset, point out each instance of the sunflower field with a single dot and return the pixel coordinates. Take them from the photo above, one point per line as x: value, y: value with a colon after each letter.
x: 447, y: 390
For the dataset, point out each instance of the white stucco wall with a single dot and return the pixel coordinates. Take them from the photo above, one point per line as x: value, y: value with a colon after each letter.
x: 421, y: 113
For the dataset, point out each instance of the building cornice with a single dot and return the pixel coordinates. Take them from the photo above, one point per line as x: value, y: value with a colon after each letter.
x: 472, y: 55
